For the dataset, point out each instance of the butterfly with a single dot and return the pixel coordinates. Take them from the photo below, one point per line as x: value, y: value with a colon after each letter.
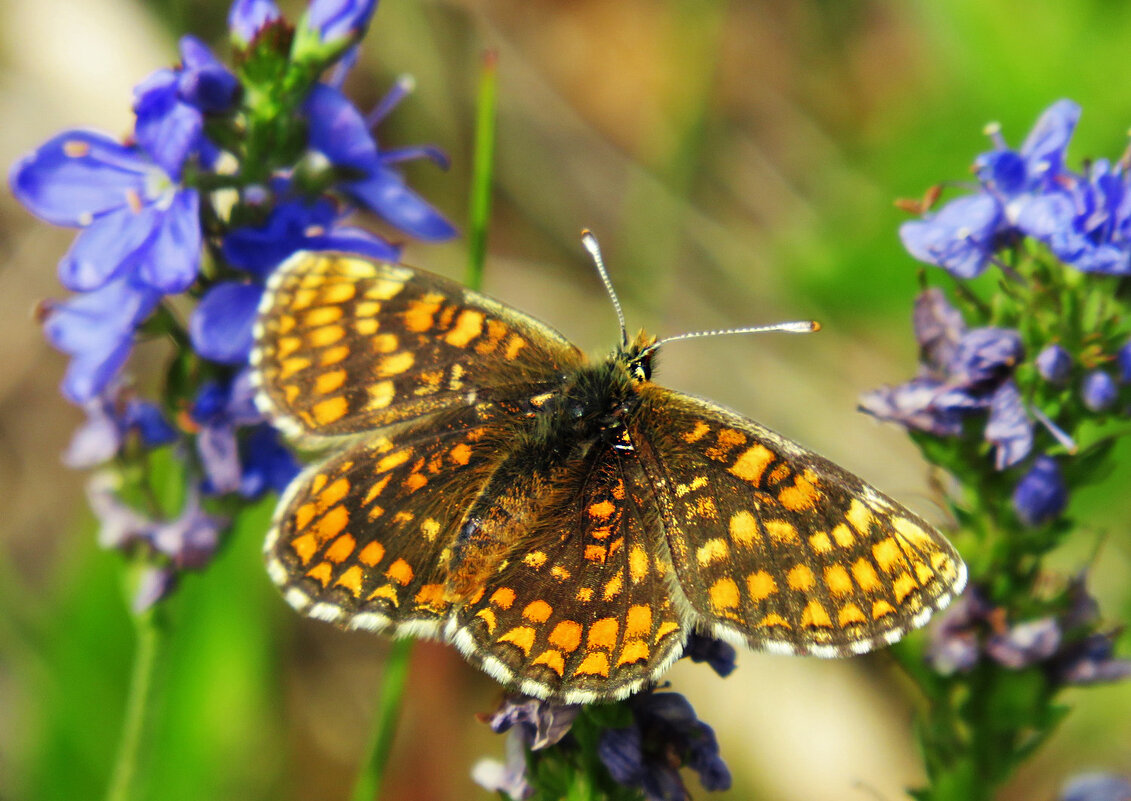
x: 566, y: 523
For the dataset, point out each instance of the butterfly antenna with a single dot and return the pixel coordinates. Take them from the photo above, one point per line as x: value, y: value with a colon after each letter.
x: 594, y: 249
x: 797, y: 327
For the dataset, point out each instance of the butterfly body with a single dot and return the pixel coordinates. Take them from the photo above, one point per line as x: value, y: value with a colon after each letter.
x: 566, y: 523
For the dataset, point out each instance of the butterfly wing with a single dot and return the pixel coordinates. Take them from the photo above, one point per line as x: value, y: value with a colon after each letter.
x: 360, y: 538
x: 777, y: 548
x: 583, y: 610
x: 345, y: 344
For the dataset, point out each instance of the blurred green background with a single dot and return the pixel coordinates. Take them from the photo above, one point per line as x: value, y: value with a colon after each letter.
x: 739, y: 162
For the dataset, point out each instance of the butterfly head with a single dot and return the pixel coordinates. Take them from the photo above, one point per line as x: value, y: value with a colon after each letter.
x: 637, y: 357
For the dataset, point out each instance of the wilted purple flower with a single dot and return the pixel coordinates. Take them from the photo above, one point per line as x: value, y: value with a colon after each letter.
x: 716, y: 653
x: 1090, y: 660
x: 170, y: 104
x: 1025, y: 643
x: 955, y: 646
x: 1096, y: 787
x: 1054, y: 364
x: 110, y: 418
x: 665, y: 734
x: 507, y: 777
x: 1040, y: 495
x: 543, y: 723
x: 1008, y: 427
x: 186, y: 541
x: 1099, y: 392
x: 340, y: 133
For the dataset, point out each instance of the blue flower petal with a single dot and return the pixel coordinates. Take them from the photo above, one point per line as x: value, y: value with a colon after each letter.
x: 221, y: 325
x: 204, y: 82
x: 166, y: 127
x: 91, y: 371
x: 958, y: 238
x: 171, y: 259
x: 1099, y: 392
x: 105, y: 249
x: 384, y: 192
x: 1002, y: 170
x: 1045, y: 145
x: 338, y: 130
x: 77, y: 176
x: 355, y: 240
x: 340, y: 19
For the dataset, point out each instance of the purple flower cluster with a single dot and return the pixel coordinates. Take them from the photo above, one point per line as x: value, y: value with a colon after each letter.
x: 963, y: 372
x: 139, y: 205
x: 1084, y: 218
x: 1068, y: 646
x: 226, y: 174
x: 663, y: 734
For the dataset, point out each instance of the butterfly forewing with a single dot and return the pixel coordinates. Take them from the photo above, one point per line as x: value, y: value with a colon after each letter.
x: 583, y: 611
x: 777, y: 547
x: 345, y: 344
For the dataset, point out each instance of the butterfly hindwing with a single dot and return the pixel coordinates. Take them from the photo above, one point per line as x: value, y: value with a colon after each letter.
x: 778, y: 548
x: 346, y: 344
x: 360, y: 538
x: 583, y: 611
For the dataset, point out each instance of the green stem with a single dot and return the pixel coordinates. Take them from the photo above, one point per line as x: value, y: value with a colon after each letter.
x: 479, y: 212
x: 368, y: 784
x: 137, y: 729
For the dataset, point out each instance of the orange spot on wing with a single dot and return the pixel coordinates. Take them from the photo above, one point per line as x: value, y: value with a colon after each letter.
x: 595, y: 553
x: 744, y: 528
x: 815, y: 616
x: 697, y: 433
x: 400, y: 571
x: 537, y: 611
x: 595, y: 664
x: 666, y: 628
x: 837, y: 580
x: 566, y: 635
x: 601, y: 510
x: 468, y: 326
x: 330, y: 524
x: 321, y: 572
x: 603, y: 633
x: 461, y: 454
x: 639, y: 621
x: 761, y: 585
x: 329, y: 382
x: 750, y: 465
x: 415, y: 481
x: 613, y: 586
x: 887, y: 554
x: 903, y: 586
x: 882, y: 608
x: 865, y: 575
x: 330, y: 410
x: 521, y: 636
x: 820, y: 542
x: 801, y: 496
x: 488, y: 617
x: 851, y: 614
x: 305, y: 547
x: 503, y: 597
x: 386, y: 592
x: 551, y: 659
x: 351, y: 580
x: 774, y: 619
x: 372, y: 553
x: 633, y: 651
x: 341, y: 548
x: 724, y: 594
x: 800, y: 578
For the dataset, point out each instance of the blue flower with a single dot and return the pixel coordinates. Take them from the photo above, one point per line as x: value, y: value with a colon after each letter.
x: 170, y: 104
x: 257, y: 464
x: 340, y: 133
x: 135, y: 221
x: 1040, y: 495
x: 336, y: 20
x: 1099, y: 391
x: 246, y: 18
x: 1020, y: 192
x: 1054, y: 364
x: 97, y: 330
x: 220, y: 326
